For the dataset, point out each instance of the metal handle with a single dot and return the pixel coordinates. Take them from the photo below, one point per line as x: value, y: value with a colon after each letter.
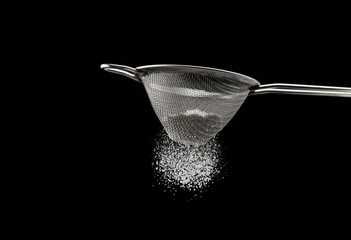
x: 298, y: 89
x: 122, y: 70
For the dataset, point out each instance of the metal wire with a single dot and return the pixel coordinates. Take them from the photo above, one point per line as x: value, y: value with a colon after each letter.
x: 193, y: 105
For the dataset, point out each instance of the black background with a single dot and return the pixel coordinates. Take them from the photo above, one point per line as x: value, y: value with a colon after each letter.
x: 287, y: 154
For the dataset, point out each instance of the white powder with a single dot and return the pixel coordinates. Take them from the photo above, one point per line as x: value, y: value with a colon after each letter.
x: 196, y: 111
x: 187, y: 167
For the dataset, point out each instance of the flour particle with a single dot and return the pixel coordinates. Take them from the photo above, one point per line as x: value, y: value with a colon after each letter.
x: 187, y: 167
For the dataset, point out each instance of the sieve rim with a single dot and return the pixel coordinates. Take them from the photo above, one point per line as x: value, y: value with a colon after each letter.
x: 253, y: 82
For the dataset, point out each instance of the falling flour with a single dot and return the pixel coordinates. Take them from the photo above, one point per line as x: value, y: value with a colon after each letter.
x: 186, y: 167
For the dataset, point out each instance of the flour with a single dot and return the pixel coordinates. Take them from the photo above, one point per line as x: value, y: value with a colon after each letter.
x: 187, y: 167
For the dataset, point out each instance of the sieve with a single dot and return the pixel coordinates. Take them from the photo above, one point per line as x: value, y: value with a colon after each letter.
x: 194, y: 103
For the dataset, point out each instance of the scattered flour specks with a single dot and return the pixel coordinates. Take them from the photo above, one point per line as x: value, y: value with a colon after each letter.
x: 187, y: 167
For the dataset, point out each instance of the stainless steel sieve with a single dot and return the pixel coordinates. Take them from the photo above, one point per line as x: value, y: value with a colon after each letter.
x: 194, y: 103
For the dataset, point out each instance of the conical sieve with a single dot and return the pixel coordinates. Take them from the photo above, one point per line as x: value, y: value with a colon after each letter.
x: 195, y: 103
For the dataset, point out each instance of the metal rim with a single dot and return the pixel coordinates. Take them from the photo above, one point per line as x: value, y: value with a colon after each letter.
x: 252, y: 81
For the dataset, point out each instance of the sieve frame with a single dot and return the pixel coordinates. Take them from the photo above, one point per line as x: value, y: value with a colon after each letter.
x: 255, y: 87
